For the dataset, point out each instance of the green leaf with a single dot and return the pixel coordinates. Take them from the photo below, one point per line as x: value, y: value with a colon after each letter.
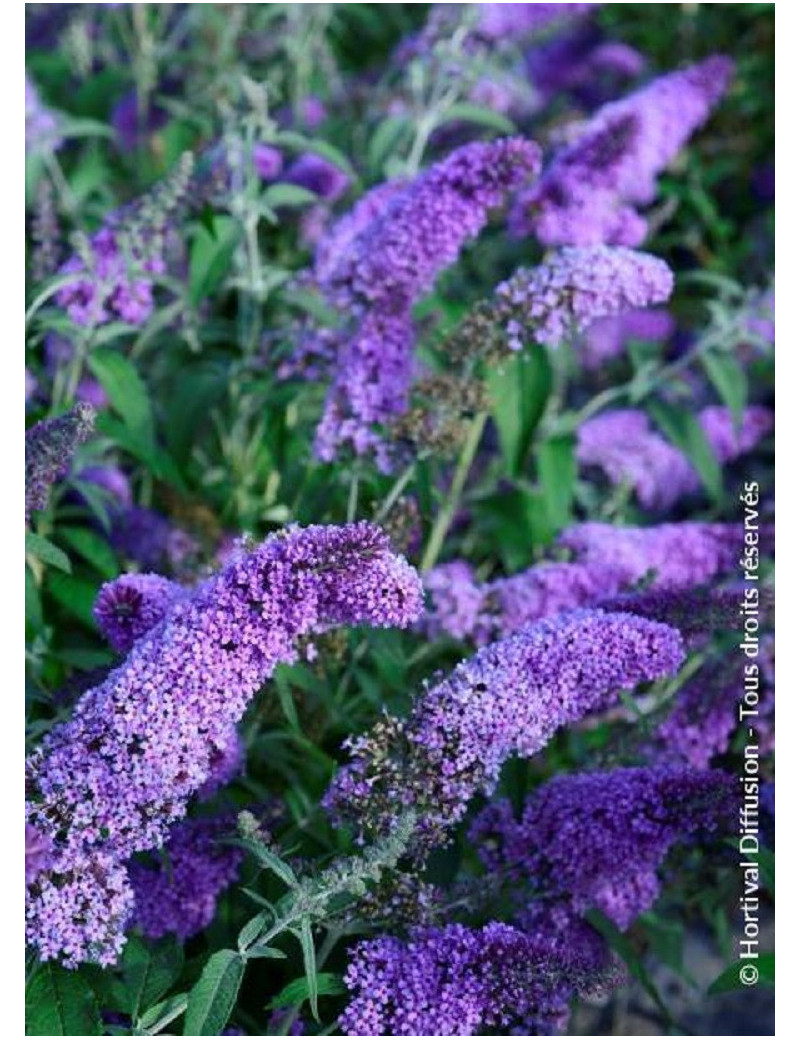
x: 287, y: 195
x: 60, y: 1003
x: 387, y: 137
x: 299, y: 143
x: 519, y: 390
x: 558, y: 471
x: 126, y: 392
x: 252, y: 930
x: 731, y: 978
x: 148, y: 971
x: 44, y: 550
x: 622, y: 946
x: 666, y: 938
x: 681, y: 427
x: 160, y: 1015
x: 310, y: 964
x: 297, y: 991
x: 268, y: 859
x: 728, y: 379
x: 210, y: 257
x: 465, y: 112
x: 92, y: 548
x: 33, y: 601
x: 271, y: 953
x: 75, y: 595
x: 213, y: 996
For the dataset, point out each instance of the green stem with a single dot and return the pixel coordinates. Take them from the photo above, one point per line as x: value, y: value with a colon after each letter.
x: 397, y: 489
x: 444, y: 519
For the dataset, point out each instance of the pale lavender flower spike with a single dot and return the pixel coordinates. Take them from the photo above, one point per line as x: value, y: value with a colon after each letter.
x: 509, y: 699
x: 111, y: 780
x: 396, y: 243
x: 590, y: 192
x: 572, y: 288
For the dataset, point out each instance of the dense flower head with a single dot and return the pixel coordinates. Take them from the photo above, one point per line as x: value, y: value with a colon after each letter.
x: 624, y: 445
x: 422, y: 230
x: 509, y: 699
x: 49, y: 448
x: 388, y: 255
x: 590, y: 191
x: 667, y: 556
x: 114, y: 777
x: 464, y: 608
x: 176, y: 891
x: 596, y: 840
x: 459, y: 981
x: 572, y: 288
x: 606, y: 338
x: 130, y: 606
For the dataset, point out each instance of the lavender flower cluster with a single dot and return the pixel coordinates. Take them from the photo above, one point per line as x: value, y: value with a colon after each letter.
x: 673, y: 559
x: 176, y: 893
x: 590, y: 191
x: 629, y: 452
x: 509, y: 699
x: 111, y: 780
x: 113, y: 275
x: 458, y: 981
x: 596, y: 840
x: 573, y: 288
x: 388, y: 254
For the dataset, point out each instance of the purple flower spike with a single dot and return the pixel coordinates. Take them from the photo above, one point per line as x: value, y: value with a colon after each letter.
x: 111, y: 780
x: 385, y: 257
x: 464, y: 609
x: 458, y: 981
x: 574, y: 287
x: 668, y: 556
x: 509, y: 699
x: 319, y: 175
x: 590, y: 191
x: 630, y: 452
x: 49, y: 448
x: 596, y: 840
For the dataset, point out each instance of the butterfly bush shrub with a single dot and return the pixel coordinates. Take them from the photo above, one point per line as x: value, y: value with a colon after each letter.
x: 399, y: 515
